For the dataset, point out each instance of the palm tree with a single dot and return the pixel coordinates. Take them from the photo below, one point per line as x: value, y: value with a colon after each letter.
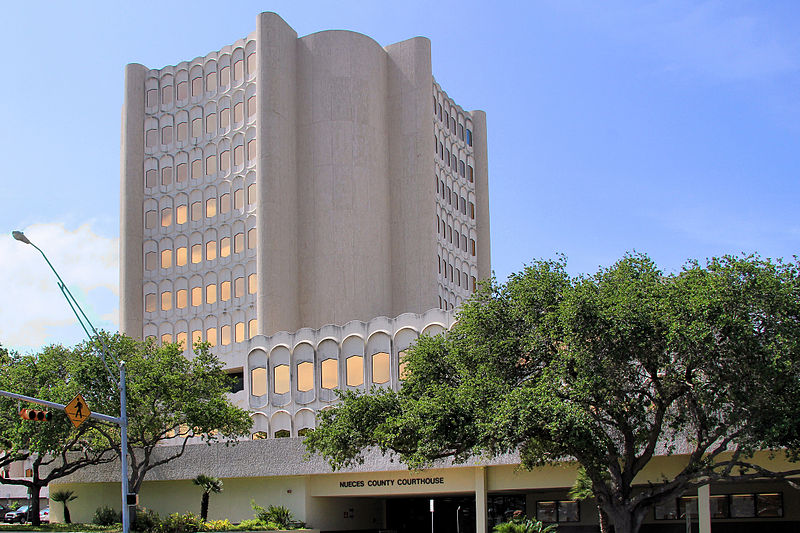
x: 208, y: 484
x: 64, y: 496
x: 581, y: 490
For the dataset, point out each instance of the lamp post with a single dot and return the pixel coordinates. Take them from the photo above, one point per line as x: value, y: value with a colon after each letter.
x: 122, y: 421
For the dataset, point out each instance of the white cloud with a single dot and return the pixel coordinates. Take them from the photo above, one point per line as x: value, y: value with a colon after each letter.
x: 33, y: 312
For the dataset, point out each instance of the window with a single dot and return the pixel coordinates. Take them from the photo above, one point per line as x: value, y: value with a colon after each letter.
x: 225, y: 203
x: 461, y: 131
x: 225, y: 76
x: 469, y: 174
x: 150, y: 138
x: 183, y: 131
x: 181, y: 256
x: 302, y: 432
x: 401, y: 357
x: 474, y: 284
x: 225, y: 160
x: 380, y: 367
x: 258, y: 381
x: 251, y: 238
x: 260, y: 435
x: 225, y: 247
x: 152, y: 97
x: 183, y: 90
x: 150, y: 302
x: 166, y: 135
x: 182, y: 339
x: 252, y: 328
x: 197, y: 86
x: 181, y: 213
x: 281, y: 379
x: 238, y: 287
x: 211, y: 208
x: 182, y: 296
x: 238, y: 112
x: 238, y: 332
x: 150, y: 178
x: 330, y: 374
x: 166, y: 258
x: 251, y: 193
x: 558, y: 511
x: 225, y: 291
x: 197, y: 210
x: 211, y: 250
x: 769, y: 505
x: 452, y: 124
x: 197, y: 296
x: 238, y: 70
x: 166, y: 300
x: 211, y: 165
x: 251, y: 106
x: 225, y: 335
x: 197, y: 127
x: 238, y: 243
x: 281, y: 433
x: 238, y: 199
x: 182, y: 172
x: 472, y: 211
x: 166, y: 175
x: 211, y: 336
x: 150, y: 219
x: 472, y: 246
x: 238, y: 155
x: 211, y: 293
x: 252, y: 283
x: 251, y: 63
x: 469, y: 136
x: 355, y: 371
x: 251, y: 150
x: 305, y: 376
x: 211, y: 123
x: 236, y: 381
x: 743, y: 505
x: 150, y: 261
x: 197, y: 335
x: 166, y: 217
x: 225, y: 118
x: 197, y: 169
x: 461, y: 170
x: 211, y: 82
x: 197, y: 253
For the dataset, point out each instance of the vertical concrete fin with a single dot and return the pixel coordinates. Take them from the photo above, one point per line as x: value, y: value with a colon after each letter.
x: 482, y: 194
x: 413, y: 188
x: 131, y: 202
x: 277, y: 263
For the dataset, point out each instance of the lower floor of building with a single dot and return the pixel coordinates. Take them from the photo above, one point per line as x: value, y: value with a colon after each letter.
x: 451, y: 499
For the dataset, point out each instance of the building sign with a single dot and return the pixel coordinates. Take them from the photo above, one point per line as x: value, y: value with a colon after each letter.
x: 392, y: 482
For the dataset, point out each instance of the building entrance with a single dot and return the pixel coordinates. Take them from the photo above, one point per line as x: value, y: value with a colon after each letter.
x: 451, y: 514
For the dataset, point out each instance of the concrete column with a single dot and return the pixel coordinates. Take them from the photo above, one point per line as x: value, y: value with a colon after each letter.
x: 481, y: 506
x: 481, y: 194
x: 704, y: 508
x: 277, y: 305
x: 131, y: 203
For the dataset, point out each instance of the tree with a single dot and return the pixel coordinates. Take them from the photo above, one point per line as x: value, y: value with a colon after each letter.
x: 208, y: 484
x: 169, y: 398
x: 64, y: 497
x: 55, y: 448
x: 607, y: 370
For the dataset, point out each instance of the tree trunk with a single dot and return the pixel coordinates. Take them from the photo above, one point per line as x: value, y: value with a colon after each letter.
x: 601, y: 514
x: 625, y: 521
x: 204, y: 507
x: 67, y: 519
x: 33, y: 510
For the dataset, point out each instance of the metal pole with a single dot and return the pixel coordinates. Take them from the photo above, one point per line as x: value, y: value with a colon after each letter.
x: 123, y: 426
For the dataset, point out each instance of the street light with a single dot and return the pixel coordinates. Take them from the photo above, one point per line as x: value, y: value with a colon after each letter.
x: 86, y: 324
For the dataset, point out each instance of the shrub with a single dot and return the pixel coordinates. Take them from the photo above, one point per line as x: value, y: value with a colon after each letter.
x: 218, y: 525
x: 524, y: 525
x: 106, y: 516
x: 254, y: 524
x: 279, y: 515
x: 145, y: 521
x: 181, y: 523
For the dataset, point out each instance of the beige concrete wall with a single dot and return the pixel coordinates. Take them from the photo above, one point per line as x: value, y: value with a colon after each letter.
x: 344, y: 236
x: 131, y: 199
x: 278, y: 272
x: 413, y: 191
x: 482, y: 195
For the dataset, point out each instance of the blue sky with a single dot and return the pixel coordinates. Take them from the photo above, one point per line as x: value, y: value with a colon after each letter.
x: 668, y: 127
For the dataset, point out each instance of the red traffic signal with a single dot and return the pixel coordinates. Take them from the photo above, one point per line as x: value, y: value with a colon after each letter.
x: 33, y: 414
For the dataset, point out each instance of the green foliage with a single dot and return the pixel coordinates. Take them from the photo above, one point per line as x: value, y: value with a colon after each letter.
x: 606, y: 369
x: 106, y: 516
x: 524, y: 525
x: 63, y: 496
x: 254, y: 524
x: 218, y: 525
x: 209, y: 484
x: 145, y: 521
x: 278, y: 515
x: 181, y: 523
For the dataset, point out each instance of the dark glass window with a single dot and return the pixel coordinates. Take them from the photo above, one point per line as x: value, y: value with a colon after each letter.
x: 769, y: 505
x: 236, y: 380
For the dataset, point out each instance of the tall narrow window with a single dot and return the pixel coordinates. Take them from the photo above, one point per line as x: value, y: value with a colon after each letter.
x: 166, y: 300
x: 166, y: 258
x: 238, y: 70
x: 225, y: 247
x: 197, y: 127
x: 211, y: 208
x: 211, y: 336
x: 252, y: 328
x: 211, y: 250
x: 355, y: 371
x: 181, y: 213
x: 225, y: 76
x: 182, y: 296
x: 182, y: 172
x: 225, y: 160
x: 197, y: 210
x: 305, y: 376
x: 225, y: 335
x: 152, y: 97
x: 211, y: 123
x: 238, y: 199
x: 197, y: 253
x: 251, y: 106
x: 252, y: 283
x: 238, y: 243
x: 258, y: 381
x: 211, y: 82
x: 166, y: 135
x: 182, y: 340
x: 281, y: 379
x: 238, y: 155
x: 183, y: 90
x: 238, y: 112
x: 151, y: 138
x: 238, y: 287
x: 150, y: 302
x: 150, y: 178
x: 225, y: 118
x: 197, y: 296
x: 225, y: 203
x: 150, y: 219
x: 238, y: 331
x: 197, y: 86
x: 166, y: 176
x: 211, y: 293
x: 401, y: 356
x: 380, y: 367
x: 211, y: 165
x: 150, y: 259
x: 225, y: 291
x: 251, y: 64
x: 197, y: 169
x: 251, y: 238
x: 251, y: 150
x: 251, y: 193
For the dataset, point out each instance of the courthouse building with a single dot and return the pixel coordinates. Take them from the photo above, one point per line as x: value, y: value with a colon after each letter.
x: 310, y: 206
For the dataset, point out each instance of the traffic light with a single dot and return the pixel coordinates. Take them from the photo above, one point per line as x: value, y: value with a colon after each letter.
x: 34, y: 414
